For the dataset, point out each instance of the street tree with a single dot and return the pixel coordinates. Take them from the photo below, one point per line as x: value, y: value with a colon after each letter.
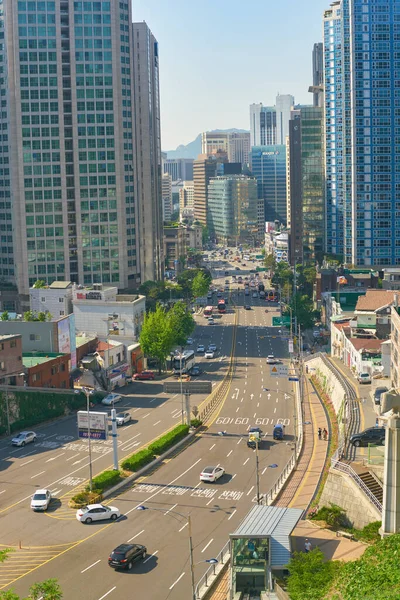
x: 302, y: 310
x: 185, y: 280
x: 270, y: 262
x: 181, y: 323
x: 200, y: 285
x: 4, y: 316
x: 311, y: 575
x: 156, y: 336
x: 46, y: 590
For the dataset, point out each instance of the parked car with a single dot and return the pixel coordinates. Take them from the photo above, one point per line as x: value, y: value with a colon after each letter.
x: 372, y: 435
x: 97, y: 512
x: 211, y: 474
x: 144, y: 375
x: 112, y: 399
x: 124, y: 555
x: 364, y: 378
x: 25, y: 437
x: 379, y: 391
x: 122, y: 418
x: 40, y: 500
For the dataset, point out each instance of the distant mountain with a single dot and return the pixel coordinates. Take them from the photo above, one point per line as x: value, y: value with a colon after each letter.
x: 193, y: 149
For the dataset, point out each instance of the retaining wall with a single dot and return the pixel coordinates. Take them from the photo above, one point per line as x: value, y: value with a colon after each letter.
x: 328, y: 381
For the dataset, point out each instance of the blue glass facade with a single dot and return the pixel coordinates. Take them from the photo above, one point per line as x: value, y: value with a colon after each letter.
x: 269, y: 168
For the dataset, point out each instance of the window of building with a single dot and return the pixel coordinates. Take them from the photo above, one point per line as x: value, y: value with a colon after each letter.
x: 2, y: 365
x: 13, y: 343
x: 36, y: 377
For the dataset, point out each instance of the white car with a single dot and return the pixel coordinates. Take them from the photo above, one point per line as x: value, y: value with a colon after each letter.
x: 122, y: 418
x: 111, y: 399
x: 211, y: 474
x: 97, y: 512
x: 25, y: 437
x: 200, y: 348
x: 211, y: 321
x: 212, y: 347
x: 271, y: 360
x: 364, y: 378
x: 209, y: 354
x: 189, y: 341
x: 41, y: 500
x: 255, y: 295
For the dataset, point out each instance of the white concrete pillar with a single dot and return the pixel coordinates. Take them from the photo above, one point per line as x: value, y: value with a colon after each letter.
x: 391, y: 477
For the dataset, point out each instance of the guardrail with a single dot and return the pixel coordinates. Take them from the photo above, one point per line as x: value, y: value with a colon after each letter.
x: 345, y: 468
x: 211, y: 574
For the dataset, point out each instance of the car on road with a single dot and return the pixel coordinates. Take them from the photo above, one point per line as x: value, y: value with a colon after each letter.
x: 364, y: 378
x: 97, y: 512
x: 211, y: 321
x: 378, y: 393
x: 124, y: 555
x: 24, y: 437
x: 247, y: 307
x: 200, y: 348
x: 212, y: 347
x: 111, y: 399
x: 271, y: 360
x: 226, y: 281
x: 211, y: 474
x: 372, y: 435
x: 195, y: 371
x: 278, y: 432
x: 144, y: 375
x: 219, y: 294
x: 255, y: 430
x: 189, y: 341
x: 254, y: 295
x: 122, y: 418
x: 209, y: 353
x: 40, y: 500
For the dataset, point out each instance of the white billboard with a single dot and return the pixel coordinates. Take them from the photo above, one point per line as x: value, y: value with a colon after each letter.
x: 98, y: 425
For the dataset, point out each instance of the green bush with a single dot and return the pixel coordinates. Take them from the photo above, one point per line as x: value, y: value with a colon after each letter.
x: 84, y: 498
x: 369, y: 533
x: 105, y: 480
x: 196, y: 423
x: 138, y: 460
x: 333, y: 515
x: 169, y: 439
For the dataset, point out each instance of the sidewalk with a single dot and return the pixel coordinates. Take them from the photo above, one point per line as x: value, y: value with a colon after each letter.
x: 333, y: 547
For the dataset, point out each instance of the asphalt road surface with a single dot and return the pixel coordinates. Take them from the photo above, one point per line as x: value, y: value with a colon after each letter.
x: 57, y: 545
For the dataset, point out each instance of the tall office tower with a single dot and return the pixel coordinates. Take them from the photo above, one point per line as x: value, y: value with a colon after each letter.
x: 283, y: 106
x: 368, y: 155
x: 306, y: 184
x: 239, y: 148
x: 186, y: 200
x: 68, y: 208
x: 213, y: 141
x: 204, y: 168
x: 268, y: 166
x: 179, y: 168
x: 166, y: 196
x: 318, y: 72
x: 233, y: 209
x: 262, y: 125
x: 148, y: 152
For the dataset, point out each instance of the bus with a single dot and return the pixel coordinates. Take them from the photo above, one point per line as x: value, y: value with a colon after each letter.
x: 221, y: 306
x: 182, y: 363
x: 271, y: 296
x: 208, y: 311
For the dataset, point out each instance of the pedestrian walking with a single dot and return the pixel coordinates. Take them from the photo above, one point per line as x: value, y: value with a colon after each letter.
x: 319, y: 433
x: 307, y: 546
x: 325, y: 434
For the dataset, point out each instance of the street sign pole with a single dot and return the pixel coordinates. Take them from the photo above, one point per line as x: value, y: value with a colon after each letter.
x: 114, y: 437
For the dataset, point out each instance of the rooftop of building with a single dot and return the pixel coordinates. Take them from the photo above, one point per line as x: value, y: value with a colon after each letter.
x: 342, y: 325
x: 56, y: 285
x: 32, y: 359
x: 9, y: 336
x: 366, y: 343
x: 84, y: 339
x: 375, y: 299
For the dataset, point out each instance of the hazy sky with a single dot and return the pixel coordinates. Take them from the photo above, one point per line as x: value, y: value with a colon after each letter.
x: 219, y: 56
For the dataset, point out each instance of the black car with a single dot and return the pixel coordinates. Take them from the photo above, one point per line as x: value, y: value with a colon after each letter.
x: 247, y: 307
x: 372, y: 435
x: 194, y: 371
x: 379, y: 391
x: 125, y: 555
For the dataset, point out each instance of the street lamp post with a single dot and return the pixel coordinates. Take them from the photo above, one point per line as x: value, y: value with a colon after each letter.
x: 257, y: 473
x: 87, y: 392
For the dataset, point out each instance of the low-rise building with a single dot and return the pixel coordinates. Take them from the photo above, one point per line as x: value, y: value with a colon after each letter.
x: 48, y: 370
x: 54, y: 299
x: 372, y: 314
x: 178, y: 238
x: 111, y: 356
x: 391, y: 279
x: 276, y: 242
x: 11, y: 365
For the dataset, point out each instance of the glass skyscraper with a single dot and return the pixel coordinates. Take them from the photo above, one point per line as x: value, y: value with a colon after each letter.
x: 268, y: 165
x: 362, y: 63
x: 67, y: 205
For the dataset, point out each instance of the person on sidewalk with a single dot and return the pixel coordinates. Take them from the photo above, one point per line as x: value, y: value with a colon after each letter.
x: 319, y: 433
x: 325, y: 434
x: 307, y: 546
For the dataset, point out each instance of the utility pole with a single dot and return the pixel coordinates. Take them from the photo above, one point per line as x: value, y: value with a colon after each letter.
x: 189, y: 521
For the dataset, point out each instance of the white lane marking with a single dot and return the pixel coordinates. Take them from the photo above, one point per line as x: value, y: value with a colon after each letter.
x: 206, y: 546
x: 27, y: 454
x: 237, y: 410
x: 136, y: 409
x: 154, y: 424
x: 135, y: 536
x: 264, y: 470
x: 242, y: 400
x: 146, y: 415
x: 254, y: 415
x: 109, y: 592
x: 175, y: 582
x: 182, y: 528
x: 151, y: 556
x: 172, y: 508
x: 250, y: 490
x: 277, y: 399
x: 275, y: 410
x: 55, y: 457
x: 2, y: 492
x: 27, y: 462
x: 233, y: 476
x: 55, y: 492
x: 212, y: 446
x: 240, y: 440
x: 152, y: 400
x: 258, y: 404
x: 71, y: 457
x: 246, y: 461
x: 209, y: 502
x: 231, y: 515
x: 90, y: 566
x: 37, y: 474
x: 229, y: 453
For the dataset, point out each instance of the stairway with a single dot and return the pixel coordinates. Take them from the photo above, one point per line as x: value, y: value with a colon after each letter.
x: 373, y: 484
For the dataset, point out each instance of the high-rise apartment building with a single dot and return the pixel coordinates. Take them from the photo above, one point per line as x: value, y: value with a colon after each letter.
x: 67, y: 203
x: 166, y: 196
x: 179, y: 168
x: 367, y: 158
x: 268, y: 166
x: 239, y: 147
x: 318, y: 72
x: 186, y: 200
x: 148, y: 151
x: 233, y: 209
x: 269, y: 125
x: 204, y: 168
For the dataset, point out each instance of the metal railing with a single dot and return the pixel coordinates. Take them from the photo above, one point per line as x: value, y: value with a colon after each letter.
x: 209, y: 576
x: 345, y: 468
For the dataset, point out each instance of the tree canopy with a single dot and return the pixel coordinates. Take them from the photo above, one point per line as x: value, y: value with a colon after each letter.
x: 310, y: 575
x: 156, y: 336
x: 181, y: 322
x: 302, y: 309
x: 200, y: 285
x: 48, y: 589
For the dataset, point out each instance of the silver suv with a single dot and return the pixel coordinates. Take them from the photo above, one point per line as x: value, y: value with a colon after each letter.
x: 25, y: 437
